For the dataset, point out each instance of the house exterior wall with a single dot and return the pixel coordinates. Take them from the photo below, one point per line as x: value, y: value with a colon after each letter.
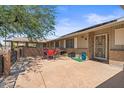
x: 119, y: 36
x: 85, y: 43
x: 116, y: 55
x: 61, y: 42
x: 82, y: 41
x: 114, y: 52
x: 82, y: 45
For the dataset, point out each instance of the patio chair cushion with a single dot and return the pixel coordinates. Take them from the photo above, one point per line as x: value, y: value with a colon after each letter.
x: 51, y: 52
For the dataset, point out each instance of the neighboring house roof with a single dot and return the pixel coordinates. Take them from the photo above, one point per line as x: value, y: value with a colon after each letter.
x: 23, y: 39
x: 92, y: 27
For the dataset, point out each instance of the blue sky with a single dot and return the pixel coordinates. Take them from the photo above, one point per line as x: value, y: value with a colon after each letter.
x: 72, y: 18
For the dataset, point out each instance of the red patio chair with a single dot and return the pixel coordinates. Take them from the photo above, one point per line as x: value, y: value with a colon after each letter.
x: 51, y: 53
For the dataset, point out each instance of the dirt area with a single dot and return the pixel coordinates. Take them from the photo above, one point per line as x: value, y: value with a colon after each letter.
x: 65, y: 73
x: 16, y: 69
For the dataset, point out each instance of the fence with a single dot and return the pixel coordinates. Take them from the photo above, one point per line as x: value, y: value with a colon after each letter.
x: 13, y: 56
x: 1, y: 64
x: 32, y: 52
x: 8, y: 58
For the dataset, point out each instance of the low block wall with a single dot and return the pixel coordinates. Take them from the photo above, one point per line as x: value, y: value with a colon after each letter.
x: 32, y: 52
x: 78, y: 51
x: 7, y: 62
x: 9, y: 57
x: 117, y: 55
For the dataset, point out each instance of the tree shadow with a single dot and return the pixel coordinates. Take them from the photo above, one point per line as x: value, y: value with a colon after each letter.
x: 117, y: 81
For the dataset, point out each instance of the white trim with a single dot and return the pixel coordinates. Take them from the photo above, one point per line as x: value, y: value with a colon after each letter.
x: 64, y: 43
x: 105, y: 48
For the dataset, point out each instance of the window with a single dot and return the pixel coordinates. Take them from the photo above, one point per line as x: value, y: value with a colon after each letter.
x: 32, y: 44
x: 51, y: 44
x: 14, y: 44
x: 44, y: 45
x: 70, y: 43
x: 57, y: 44
x: 39, y: 45
x: 61, y: 44
x: 119, y: 36
x: 21, y: 44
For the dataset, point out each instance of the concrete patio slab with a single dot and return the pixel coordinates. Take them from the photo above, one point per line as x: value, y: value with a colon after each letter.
x: 66, y: 73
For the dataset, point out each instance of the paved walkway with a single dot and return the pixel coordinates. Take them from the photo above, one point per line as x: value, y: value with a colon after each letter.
x: 116, y: 81
x: 65, y: 72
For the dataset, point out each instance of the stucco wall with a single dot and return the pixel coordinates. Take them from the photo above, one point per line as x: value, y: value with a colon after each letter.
x: 82, y: 41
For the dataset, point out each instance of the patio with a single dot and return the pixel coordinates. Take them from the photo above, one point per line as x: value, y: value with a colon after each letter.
x: 65, y: 73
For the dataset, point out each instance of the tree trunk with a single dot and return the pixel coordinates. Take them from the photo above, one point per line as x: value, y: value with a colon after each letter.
x: 5, y: 42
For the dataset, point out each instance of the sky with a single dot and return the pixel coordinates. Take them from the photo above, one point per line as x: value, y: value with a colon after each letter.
x: 72, y: 18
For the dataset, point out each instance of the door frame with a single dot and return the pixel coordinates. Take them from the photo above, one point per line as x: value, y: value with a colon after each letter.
x: 106, y: 51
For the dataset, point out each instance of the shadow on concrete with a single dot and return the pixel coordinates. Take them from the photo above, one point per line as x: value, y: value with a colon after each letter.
x: 117, y: 81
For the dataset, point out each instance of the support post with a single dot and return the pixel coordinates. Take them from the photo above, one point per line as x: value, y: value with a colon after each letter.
x: 75, y: 42
x: 64, y: 43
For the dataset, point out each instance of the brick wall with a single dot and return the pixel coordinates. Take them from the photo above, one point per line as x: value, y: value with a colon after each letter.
x: 7, y: 62
x: 117, y: 55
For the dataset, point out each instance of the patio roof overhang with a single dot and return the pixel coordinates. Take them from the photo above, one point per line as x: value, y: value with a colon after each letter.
x: 24, y: 40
